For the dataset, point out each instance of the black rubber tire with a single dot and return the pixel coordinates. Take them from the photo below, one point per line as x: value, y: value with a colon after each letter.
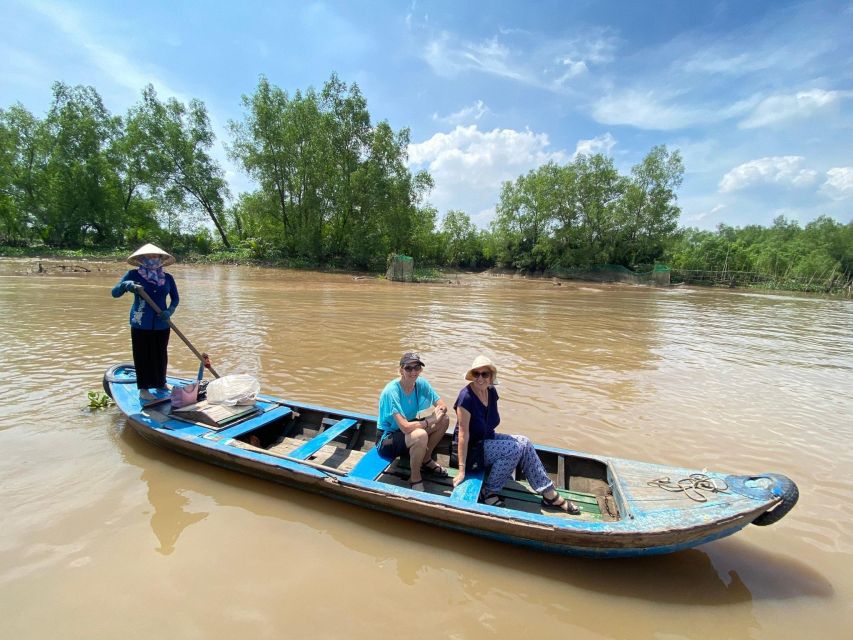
x: 110, y: 377
x: 790, y: 495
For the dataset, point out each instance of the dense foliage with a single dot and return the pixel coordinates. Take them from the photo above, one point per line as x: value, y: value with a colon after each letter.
x: 585, y: 213
x: 334, y: 189
x: 820, y: 254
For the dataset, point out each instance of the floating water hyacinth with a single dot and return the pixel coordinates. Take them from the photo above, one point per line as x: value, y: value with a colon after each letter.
x: 99, y: 400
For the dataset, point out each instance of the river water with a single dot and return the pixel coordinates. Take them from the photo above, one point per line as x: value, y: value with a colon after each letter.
x: 107, y: 536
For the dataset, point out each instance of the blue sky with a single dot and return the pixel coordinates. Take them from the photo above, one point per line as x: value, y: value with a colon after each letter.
x: 757, y: 96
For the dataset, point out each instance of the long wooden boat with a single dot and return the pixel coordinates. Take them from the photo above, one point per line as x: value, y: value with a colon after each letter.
x: 628, y: 508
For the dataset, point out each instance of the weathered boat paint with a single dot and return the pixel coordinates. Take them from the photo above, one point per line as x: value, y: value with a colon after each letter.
x: 648, y: 522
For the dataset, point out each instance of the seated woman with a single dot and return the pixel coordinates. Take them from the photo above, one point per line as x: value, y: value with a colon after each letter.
x: 402, y: 404
x: 478, y: 444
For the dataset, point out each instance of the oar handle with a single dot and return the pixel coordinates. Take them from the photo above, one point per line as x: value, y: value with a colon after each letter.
x: 201, y: 356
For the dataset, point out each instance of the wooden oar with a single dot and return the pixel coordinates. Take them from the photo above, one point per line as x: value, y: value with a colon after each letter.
x: 203, y: 357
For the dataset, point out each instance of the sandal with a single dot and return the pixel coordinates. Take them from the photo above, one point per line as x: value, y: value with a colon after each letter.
x: 417, y: 486
x: 493, y: 500
x: 559, y: 502
x: 435, y: 469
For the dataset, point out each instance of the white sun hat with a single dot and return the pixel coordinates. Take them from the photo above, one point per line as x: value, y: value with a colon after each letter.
x: 480, y: 362
x: 150, y: 250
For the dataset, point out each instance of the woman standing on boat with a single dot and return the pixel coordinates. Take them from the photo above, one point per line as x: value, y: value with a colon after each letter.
x: 401, y: 404
x: 479, y: 446
x: 149, y: 332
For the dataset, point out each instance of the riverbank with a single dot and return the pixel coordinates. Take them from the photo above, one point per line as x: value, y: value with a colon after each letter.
x: 422, y: 275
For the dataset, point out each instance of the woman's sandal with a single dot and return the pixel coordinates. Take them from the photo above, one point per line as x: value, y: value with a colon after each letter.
x: 493, y: 500
x: 435, y: 469
x: 417, y: 486
x: 559, y: 502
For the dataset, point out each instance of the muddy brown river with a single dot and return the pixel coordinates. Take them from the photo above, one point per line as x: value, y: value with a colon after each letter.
x: 106, y: 536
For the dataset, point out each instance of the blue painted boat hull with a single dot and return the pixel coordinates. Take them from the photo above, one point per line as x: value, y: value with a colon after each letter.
x: 625, y: 513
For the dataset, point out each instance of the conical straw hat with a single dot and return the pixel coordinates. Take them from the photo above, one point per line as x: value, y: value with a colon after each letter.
x: 150, y: 250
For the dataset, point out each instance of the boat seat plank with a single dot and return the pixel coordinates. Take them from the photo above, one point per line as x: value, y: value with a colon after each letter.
x: 317, y: 442
x: 370, y: 466
x: 469, y: 489
x: 251, y: 424
x: 329, y: 456
x: 522, y: 490
x: 337, y: 457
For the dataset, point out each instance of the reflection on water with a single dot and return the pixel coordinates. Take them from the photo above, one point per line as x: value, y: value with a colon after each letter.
x: 689, y: 577
x: 728, y: 380
x: 170, y: 516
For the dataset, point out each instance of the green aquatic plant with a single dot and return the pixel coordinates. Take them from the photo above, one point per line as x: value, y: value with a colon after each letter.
x: 99, y: 400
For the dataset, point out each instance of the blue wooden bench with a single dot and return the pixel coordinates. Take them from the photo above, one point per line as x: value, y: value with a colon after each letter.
x: 249, y: 425
x: 320, y: 440
x: 370, y: 466
x: 469, y: 490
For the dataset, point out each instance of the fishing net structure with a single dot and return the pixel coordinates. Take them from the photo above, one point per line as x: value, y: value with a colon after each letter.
x: 657, y: 275
x: 401, y: 269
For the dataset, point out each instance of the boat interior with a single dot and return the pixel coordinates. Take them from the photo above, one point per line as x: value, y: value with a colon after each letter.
x: 344, y: 445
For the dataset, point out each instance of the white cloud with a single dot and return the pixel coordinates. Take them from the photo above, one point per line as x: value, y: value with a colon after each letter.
x: 780, y: 170
x: 466, y: 114
x: 573, y: 69
x: 659, y: 110
x: 469, y: 165
x: 839, y: 183
x: 599, y: 144
x: 702, y: 215
x: 117, y: 67
x: 780, y: 108
x: 710, y: 61
x: 449, y: 58
x: 522, y: 56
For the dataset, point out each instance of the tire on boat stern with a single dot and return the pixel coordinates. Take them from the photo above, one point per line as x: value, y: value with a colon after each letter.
x: 110, y: 376
x: 790, y: 494
x: 766, y: 487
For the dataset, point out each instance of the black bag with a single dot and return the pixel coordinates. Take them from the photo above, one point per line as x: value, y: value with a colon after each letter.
x: 476, y: 458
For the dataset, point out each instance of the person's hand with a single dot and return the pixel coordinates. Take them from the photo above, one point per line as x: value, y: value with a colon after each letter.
x: 129, y: 286
x: 459, y: 478
x: 165, y: 314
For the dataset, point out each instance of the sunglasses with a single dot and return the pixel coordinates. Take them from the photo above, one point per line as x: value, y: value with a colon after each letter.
x: 481, y: 374
x: 413, y: 367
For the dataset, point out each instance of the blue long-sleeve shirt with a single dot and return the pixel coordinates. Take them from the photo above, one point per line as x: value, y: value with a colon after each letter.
x: 141, y: 314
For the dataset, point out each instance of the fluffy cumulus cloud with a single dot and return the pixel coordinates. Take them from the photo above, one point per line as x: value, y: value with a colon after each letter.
x: 600, y: 144
x: 469, y: 165
x: 804, y: 104
x: 839, y: 183
x: 777, y: 170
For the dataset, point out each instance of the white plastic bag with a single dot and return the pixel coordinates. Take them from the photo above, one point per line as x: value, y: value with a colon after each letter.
x: 233, y: 389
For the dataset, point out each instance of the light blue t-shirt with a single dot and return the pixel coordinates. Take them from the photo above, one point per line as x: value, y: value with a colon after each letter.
x: 392, y: 400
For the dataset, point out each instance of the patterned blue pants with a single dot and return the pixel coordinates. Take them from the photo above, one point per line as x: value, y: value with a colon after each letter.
x: 502, y: 456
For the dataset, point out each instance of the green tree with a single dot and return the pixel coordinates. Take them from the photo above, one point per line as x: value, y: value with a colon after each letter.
x: 78, y: 195
x: 23, y: 153
x: 341, y: 186
x: 350, y: 136
x: 650, y: 213
x: 461, y: 242
x: 589, y: 231
x: 178, y: 163
x: 525, y: 215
